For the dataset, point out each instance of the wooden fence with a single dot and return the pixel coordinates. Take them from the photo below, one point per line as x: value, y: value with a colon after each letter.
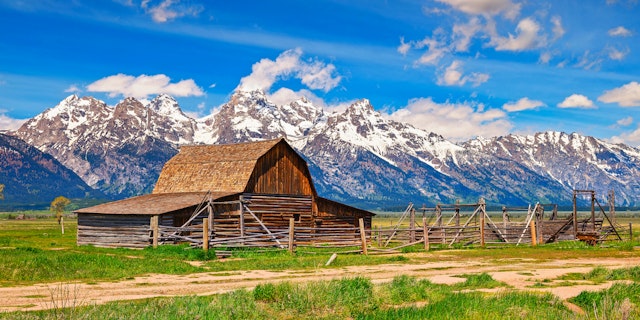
x: 289, y: 238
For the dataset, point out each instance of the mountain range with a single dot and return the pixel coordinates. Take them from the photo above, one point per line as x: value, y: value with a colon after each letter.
x: 356, y: 156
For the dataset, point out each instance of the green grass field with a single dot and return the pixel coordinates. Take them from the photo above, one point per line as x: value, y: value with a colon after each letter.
x: 35, y: 251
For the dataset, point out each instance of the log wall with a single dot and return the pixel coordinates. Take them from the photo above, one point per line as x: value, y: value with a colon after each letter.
x: 114, y: 231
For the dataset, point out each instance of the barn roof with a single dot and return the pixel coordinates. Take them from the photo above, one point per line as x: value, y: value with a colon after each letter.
x: 152, y: 204
x: 216, y: 168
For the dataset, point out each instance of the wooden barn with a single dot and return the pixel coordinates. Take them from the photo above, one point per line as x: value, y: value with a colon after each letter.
x: 244, y: 190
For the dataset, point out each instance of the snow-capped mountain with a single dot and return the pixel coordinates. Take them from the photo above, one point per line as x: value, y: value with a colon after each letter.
x: 119, y: 150
x: 357, y: 156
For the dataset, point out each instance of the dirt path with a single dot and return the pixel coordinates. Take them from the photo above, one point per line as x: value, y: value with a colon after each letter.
x: 517, y: 273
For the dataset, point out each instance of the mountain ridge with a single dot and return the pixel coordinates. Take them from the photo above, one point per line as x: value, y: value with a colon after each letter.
x: 356, y: 156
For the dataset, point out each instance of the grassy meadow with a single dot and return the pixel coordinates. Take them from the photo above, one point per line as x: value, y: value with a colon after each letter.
x: 35, y: 251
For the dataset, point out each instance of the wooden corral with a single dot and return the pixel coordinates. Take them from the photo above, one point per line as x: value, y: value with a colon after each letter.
x: 450, y: 224
x: 249, y: 194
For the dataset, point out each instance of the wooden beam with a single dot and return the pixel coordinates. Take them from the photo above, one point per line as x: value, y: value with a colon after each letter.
x: 363, y: 236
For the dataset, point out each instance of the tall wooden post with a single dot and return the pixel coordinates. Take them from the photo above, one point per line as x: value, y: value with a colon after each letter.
x: 292, y: 223
x: 363, y: 236
x: 211, y: 215
x: 575, y: 214
x: 483, y: 212
x: 425, y: 233
x: 241, y: 221
x: 205, y: 234
x: 379, y: 236
x: 630, y: 231
x: 593, y: 211
x: 62, y: 224
x: 154, y: 230
x: 612, y: 206
x: 532, y: 228
x: 412, y: 225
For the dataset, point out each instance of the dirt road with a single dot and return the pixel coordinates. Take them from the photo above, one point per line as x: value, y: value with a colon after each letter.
x: 517, y: 273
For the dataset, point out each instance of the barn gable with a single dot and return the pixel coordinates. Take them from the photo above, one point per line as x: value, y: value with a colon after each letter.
x: 257, y: 167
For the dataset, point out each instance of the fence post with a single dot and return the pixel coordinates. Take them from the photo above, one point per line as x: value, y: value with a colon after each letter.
x: 205, y: 234
x: 292, y: 222
x: 412, y: 225
x: 379, y: 236
x: 532, y: 228
x: 363, y: 236
x: 425, y: 233
x: 154, y: 230
x: 483, y: 212
x: 630, y: 232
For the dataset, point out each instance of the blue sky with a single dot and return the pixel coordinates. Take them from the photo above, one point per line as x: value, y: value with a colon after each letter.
x: 460, y: 68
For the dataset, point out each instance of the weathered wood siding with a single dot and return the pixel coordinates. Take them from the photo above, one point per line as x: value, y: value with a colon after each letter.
x: 114, y: 231
x: 335, y: 214
x: 281, y: 171
x: 276, y: 210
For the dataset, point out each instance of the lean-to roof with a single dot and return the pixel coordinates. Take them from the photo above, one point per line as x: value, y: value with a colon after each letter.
x: 152, y: 204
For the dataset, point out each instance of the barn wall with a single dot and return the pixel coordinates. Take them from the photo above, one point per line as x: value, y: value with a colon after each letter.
x: 110, y: 231
x: 281, y: 171
x: 334, y: 214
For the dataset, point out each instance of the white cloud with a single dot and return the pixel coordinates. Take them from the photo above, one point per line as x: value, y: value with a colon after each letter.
x: 8, y: 123
x: 463, y: 33
x: 631, y: 138
x: 545, y: 57
x: 404, y: 47
x: 169, y: 10
x: 558, y: 30
x: 73, y: 89
x: 615, y: 54
x: 589, y: 62
x: 620, y: 32
x: 527, y: 37
x: 457, y: 122
x: 314, y: 74
x: 522, y: 104
x: 144, y: 85
x: 626, y: 96
x: 437, y: 48
x: 453, y: 76
x: 625, y: 121
x: 577, y: 101
x: 485, y: 7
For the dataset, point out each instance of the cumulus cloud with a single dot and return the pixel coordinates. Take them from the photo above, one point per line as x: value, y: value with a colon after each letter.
x: 615, y: 54
x: 453, y: 76
x: 577, y: 101
x: 457, y: 122
x: 485, y: 7
x: 436, y: 48
x: 144, y: 85
x: 527, y: 37
x: 625, y: 121
x: 545, y: 57
x: 8, y: 123
x: 168, y: 10
x: 558, y: 30
x: 630, y: 138
x: 316, y: 75
x: 404, y: 47
x: 522, y: 104
x: 73, y: 89
x: 619, y: 32
x: 463, y: 33
x: 626, y: 96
